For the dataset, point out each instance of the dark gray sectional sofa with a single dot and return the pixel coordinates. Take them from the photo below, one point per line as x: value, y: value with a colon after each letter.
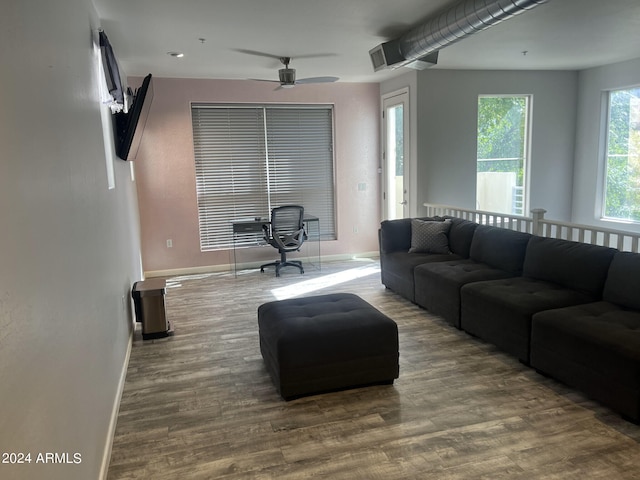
x: 570, y: 310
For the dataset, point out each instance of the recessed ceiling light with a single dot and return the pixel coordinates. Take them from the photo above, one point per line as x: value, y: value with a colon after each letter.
x: 176, y: 54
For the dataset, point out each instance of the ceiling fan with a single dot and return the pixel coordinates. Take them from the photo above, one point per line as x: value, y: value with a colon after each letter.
x: 287, y: 76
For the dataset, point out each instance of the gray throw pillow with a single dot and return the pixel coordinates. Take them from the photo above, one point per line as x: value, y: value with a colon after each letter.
x: 429, y: 237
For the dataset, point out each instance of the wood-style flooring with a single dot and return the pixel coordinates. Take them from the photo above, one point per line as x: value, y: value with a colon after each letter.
x: 200, y: 405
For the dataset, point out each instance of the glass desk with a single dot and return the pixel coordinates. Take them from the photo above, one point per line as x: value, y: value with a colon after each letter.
x: 248, y: 233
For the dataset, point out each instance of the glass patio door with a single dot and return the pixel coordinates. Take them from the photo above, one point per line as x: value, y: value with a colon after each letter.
x: 395, y: 146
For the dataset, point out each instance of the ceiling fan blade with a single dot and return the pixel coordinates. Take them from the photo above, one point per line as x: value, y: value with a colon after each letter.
x: 264, y: 80
x: 318, y: 80
x: 314, y: 55
x: 271, y: 55
x: 257, y: 53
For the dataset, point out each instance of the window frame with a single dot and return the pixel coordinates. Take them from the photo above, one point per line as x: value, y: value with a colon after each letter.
x: 526, y: 151
x: 214, y: 235
x: 604, y: 156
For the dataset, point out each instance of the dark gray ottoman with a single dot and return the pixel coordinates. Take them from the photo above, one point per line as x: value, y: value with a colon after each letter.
x: 327, y: 342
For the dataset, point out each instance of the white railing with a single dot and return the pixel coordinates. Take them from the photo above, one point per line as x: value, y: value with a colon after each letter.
x: 519, y: 223
x: 538, y: 225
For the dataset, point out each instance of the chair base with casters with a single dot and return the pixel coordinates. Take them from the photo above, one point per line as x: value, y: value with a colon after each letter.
x: 285, y: 232
x: 283, y: 262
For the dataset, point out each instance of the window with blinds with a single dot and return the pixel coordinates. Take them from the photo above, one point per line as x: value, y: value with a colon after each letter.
x: 250, y: 159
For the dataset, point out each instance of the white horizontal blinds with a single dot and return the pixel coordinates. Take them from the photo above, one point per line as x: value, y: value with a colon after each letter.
x: 300, y: 157
x: 252, y: 158
x: 231, y: 179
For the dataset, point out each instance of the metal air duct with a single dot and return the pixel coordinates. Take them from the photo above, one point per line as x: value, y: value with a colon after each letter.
x: 418, y: 46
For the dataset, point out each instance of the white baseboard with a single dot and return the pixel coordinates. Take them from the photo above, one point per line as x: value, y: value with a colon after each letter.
x: 242, y: 266
x: 106, y: 459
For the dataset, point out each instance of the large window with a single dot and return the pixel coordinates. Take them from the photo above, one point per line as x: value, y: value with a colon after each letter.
x: 250, y: 159
x: 502, y: 156
x: 622, y: 179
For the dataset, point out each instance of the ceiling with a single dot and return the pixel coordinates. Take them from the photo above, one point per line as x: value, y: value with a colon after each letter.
x: 336, y: 36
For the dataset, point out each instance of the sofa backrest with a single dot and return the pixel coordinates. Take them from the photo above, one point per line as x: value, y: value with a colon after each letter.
x: 461, y: 235
x: 622, y: 286
x: 395, y: 235
x: 499, y: 248
x: 574, y: 265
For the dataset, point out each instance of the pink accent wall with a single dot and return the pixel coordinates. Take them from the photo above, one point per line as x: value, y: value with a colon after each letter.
x: 165, y: 171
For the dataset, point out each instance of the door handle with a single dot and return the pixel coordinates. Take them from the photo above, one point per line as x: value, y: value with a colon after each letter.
x: 404, y: 202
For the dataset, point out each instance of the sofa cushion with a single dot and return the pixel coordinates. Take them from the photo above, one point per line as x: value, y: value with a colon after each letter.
x: 461, y: 235
x: 397, y: 269
x: 500, y: 311
x: 574, y: 265
x: 594, y: 347
x: 499, y: 248
x: 429, y: 236
x: 395, y: 235
x: 437, y: 285
x: 622, y: 286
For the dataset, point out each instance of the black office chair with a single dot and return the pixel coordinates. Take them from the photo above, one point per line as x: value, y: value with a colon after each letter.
x: 286, y: 233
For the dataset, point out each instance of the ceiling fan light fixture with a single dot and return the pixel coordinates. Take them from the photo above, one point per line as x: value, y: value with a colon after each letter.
x: 287, y: 76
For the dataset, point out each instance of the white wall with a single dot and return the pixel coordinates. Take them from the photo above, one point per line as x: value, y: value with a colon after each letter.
x: 590, y: 138
x: 447, y: 127
x: 69, y: 249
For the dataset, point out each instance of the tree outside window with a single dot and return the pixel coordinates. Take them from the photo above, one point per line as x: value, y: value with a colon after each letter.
x: 502, y: 153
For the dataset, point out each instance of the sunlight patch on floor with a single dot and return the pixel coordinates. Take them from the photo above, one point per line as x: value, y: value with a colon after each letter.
x: 315, y: 284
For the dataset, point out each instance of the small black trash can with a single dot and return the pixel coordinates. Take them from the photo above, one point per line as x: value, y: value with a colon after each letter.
x: 148, y: 298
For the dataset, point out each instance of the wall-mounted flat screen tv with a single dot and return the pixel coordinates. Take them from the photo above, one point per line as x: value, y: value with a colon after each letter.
x: 130, y: 126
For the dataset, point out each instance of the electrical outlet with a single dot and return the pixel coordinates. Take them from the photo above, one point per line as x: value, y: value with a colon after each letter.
x: 169, y: 243
x: 355, y: 229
